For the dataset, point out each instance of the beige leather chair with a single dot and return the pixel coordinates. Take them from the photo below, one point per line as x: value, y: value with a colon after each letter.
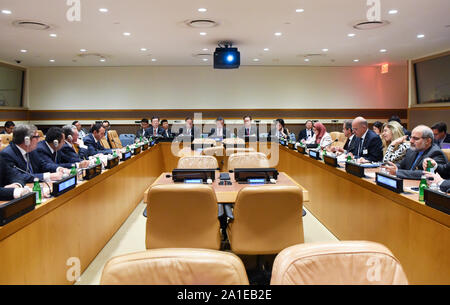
x: 175, y: 267
x: 114, y: 140
x: 247, y: 160
x: 334, y: 135
x: 105, y: 143
x: 205, y: 142
x: 217, y: 152
x: 3, y: 146
x: 233, y: 142
x: 232, y: 150
x: 182, y: 216
x: 6, y: 138
x: 340, y: 136
x: 267, y: 219
x: 41, y: 135
x: 207, y: 162
x: 337, y: 263
x: 447, y: 153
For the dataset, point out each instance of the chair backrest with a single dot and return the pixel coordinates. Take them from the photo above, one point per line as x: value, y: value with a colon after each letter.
x: 334, y: 135
x: 6, y: 138
x: 127, y: 139
x: 175, y: 267
x: 213, y: 151
x: 337, y: 263
x: 207, y: 162
x: 182, y: 216
x: 40, y: 133
x: 3, y: 146
x: 447, y: 153
x: 232, y: 150
x: 267, y: 219
x: 105, y: 143
x: 204, y: 141
x: 233, y: 141
x: 247, y: 160
x: 114, y: 139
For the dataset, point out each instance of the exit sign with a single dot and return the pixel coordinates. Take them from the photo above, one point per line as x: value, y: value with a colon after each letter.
x: 384, y: 68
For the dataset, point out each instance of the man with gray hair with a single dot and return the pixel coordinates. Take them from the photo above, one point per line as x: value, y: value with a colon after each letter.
x: 71, y: 152
x: 422, y: 147
x: 369, y: 146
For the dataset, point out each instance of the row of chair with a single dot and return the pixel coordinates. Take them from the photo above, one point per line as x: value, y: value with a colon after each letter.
x: 235, y: 160
x: 6, y: 138
x: 337, y: 263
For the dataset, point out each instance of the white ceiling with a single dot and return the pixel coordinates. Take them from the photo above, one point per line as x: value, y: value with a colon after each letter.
x: 158, y: 26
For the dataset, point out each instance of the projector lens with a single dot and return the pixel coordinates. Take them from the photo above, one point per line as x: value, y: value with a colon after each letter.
x: 230, y: 58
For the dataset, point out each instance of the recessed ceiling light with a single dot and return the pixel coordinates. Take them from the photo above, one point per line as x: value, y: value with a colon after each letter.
x: 103, y: 10
x: 266, y: 49
x: 23, y: 51
x: 83, y: 50
x: 306, y: 59
x: 53, y: 35
x: 126, y: 34
x: 351, y: 35
x: 278, y: 34
x: 205, y: 49
x: 421, y: 36
x: 51, y: 60
x: 143, y: 49
x: 356, y: 60
x: 299, y: 10
x: 203, y: 33
x: 205, y: 59
x: 202, y: 10
x: 6, y: 12
x: 393, y: 12
x: 324, y: 50
x: 154, y: 59
x: 102, y: 59
x: 255, y: 59
x: 383, y: 51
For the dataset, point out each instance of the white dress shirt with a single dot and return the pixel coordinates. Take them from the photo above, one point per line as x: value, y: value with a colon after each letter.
x: 24, y: 155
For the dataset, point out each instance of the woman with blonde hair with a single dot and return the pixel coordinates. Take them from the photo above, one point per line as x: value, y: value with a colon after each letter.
x: 394, y: 142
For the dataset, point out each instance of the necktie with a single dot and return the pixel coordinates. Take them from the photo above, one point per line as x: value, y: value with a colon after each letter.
x: 29, y: 167
x: 361, y: 142
x: 417, y: 159
x: 247, y: 131
x: 154, y: 131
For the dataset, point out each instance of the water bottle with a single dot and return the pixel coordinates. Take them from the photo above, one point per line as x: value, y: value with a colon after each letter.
x: 73, y: 170
x: 98, y: 161
x: 422, y: 186
x: 37, y: 189
x: 430, y: 167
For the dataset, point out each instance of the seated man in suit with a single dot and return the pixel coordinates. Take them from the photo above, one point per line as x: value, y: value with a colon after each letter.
x: 92, y: 141
x: 369, y: 147
x: 71, y: 152
x: 9, y: 127
x: 440, y: 133
x: 81, y: 132
x: 249, y: 131
x: 166, y: 131
x: 437, y: 178
x: 220, y: 131
x: 422, y: 147
x: 142, y: 130
x: 10, y: 185
x: 189, y: 129
x: 18, y: 156
x: 155, y: 130
x: 350, y: 145
x: 306, y: 133
x: 107, y: 127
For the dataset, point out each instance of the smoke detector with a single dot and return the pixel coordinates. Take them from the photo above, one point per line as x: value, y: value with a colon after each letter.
x: 369, y: 25
x: 201, y: 23
x: 32, y: 25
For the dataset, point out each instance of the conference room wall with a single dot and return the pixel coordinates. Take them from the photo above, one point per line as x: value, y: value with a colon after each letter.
x: 187, y: 87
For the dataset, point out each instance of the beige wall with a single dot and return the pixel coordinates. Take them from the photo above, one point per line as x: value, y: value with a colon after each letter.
x: 170, y: 87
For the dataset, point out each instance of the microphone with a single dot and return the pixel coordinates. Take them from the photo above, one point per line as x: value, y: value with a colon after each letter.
x: 31, y: 175
x: 329, y: 144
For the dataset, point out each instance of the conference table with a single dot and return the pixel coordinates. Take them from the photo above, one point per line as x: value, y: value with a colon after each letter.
x: 40, y: 246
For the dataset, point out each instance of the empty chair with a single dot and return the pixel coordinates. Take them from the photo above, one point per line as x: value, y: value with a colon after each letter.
x: 213, y: 151
x: 6, y: 138
x: 232, y: 150
x: 127, y: 139
x: 205, y: 142
x: 233, y: 142
x: 182, y: 216
x: 338, y: 263
x: 207, y: 162
x: 175, y: 267
x: 267, y: 219
x: 114, y: 139
x: 247, y: 160
x: 105, y: 143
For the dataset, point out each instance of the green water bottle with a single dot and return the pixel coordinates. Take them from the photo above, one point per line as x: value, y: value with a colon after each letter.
x: 114, y: 154
x: 140, y: 139
x: 349, y: 158
x: 73, y: 170
x: 430, y: 167
x: 127, y: 149
x: 324, y: 152
x: 422, y: 186
x: 98, y: 161
x: 37, y: 189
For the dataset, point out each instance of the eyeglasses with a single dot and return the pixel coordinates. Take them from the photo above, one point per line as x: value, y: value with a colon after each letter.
x: 35, y: 137
x: 417, y: 138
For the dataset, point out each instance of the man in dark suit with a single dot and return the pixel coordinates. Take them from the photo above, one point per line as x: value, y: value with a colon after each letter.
x: 9, y: 128
x: 350, y: 145
x: 440, y: 133
x: 306, y: 133
x: 155, y: 130
x: 81, y: 132
x: 249, y: 131
x: 220, y: 131
x: 92, y: 141
x: 11, y: 186
x: 142, y: 130
x: 422, y: 147
x: 167, y: 132
x: 368, y: 146
x: 189, y: 129
x: 70, y: 152
x: 441, y: 176
x: 18, y: 156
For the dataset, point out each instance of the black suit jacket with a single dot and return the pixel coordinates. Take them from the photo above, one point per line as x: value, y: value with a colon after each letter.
x: 167, y: 133
x: 444, y: 170
x: 445, y: 186
x: 404, y: 167
x: 446, y: 140
x: 13, y: 157
x: 49, y: 160
x: 195, y: 132
x: 7, y: 176
x: 372, y: 147
x: 225, y: 133
x: 303, y: 135
x: 68, y: 155
x: 351, y: 147
x: 149, y: 132
x: 254, y: 133
x: 94, y: 147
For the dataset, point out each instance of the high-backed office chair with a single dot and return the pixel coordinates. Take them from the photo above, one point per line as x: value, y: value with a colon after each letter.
x: 41, y: 135
x: 341, y: 139
x: 217, y: 152
x: 267, y: 219
x: 6, y: 138
x: 232, y: 150
x: 105, y: 143
x: 207, y: 162
x: 446, y: 153
x: 204, y: 142
x: 338, y: 263
x: 175, y: 267
x: 233, y: 142
x: 182, y: 216
x: 114, y: 139
x: 247, y: 160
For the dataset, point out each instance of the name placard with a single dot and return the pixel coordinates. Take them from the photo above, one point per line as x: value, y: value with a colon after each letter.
x: 126, y: 156
x: 301, y: 149
x: 390, y: 182
x: 315, y: 154
x: 16, y: 208
x: 145, y: 146
x: 64, y: 185
x: 93, y: 171
x: 137, y: 150
x: 112, y: 162
x: 354, y: 169
x: 330, y: 160
x: 437, y: 200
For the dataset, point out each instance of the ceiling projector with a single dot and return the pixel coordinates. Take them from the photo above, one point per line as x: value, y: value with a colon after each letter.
x: 226, y: 57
